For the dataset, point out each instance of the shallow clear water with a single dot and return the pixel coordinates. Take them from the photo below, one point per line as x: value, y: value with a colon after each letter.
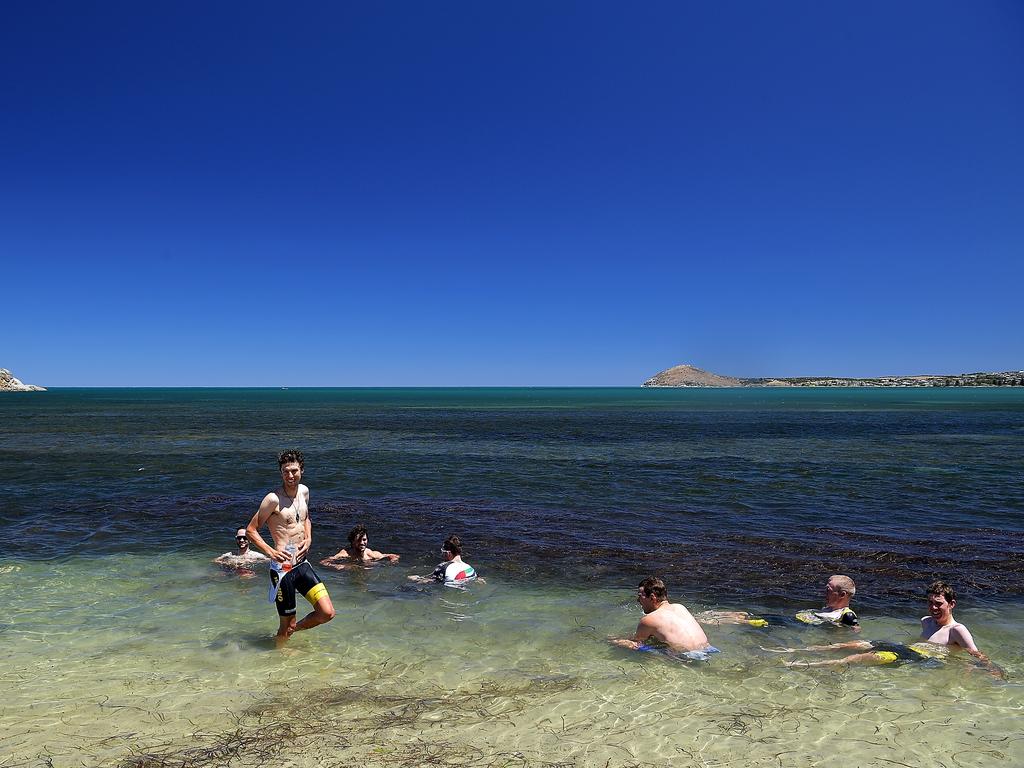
x: 118, y: 657
x: 122, y: 640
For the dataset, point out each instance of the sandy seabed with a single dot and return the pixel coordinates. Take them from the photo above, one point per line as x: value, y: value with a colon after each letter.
x: 169, y: 662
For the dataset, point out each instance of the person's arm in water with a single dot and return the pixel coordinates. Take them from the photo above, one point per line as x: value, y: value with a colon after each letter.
x: 237, y: 561
x: 437, y: 577
x: 717, y: 618
x: 644, y: 632
x: 374, y: 555
x: 268, y: 506
x: 337, y: 560
x: 960, y: 636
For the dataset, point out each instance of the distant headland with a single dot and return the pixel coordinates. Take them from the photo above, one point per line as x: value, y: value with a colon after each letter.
x: 689, y: 376
x: 10, y: 384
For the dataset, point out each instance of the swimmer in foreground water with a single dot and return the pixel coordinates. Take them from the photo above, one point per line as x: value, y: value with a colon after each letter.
x: 285, y: 511
x: 357, y: 552
x: 670, y: 624
x: 453, y: 571
x: 940, y: 633
x: 244, y: 558
x: 839, y: 591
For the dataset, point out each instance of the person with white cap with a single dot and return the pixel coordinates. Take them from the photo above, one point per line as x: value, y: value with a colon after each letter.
x: 244, y: 557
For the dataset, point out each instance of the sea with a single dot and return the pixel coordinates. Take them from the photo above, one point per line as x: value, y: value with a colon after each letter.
x: 125, y: 645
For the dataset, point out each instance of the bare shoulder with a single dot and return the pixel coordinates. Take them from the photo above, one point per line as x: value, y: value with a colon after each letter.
x: 961, y: 635
x: 650, y: 619
x: 269, y: 507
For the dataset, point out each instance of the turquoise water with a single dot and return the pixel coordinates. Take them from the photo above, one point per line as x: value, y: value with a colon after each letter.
x: 123, y: 640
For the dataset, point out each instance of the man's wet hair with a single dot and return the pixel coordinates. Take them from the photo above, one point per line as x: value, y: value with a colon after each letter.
x: 355, y: 533
x: 287, y: 457
x: 845, y: 583
x: 453, y: 544
x: 654, y: 587
x: 942, y: 589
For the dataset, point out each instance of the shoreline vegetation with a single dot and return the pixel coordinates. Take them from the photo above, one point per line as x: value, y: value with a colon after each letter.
x: 690, y: 376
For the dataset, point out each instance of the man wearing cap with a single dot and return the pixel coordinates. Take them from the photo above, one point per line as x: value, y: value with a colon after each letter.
x: 244, y: 557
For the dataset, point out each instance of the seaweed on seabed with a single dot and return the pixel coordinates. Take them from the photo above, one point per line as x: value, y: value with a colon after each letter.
x: 256, y: 744
x: 487, y: 701
x: 315, y: 725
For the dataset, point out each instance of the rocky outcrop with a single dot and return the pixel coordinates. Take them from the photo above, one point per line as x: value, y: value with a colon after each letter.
x: 688, y: 376
x: 10, y: 384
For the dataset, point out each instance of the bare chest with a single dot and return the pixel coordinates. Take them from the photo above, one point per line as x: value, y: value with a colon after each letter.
x: 933, y: 633
x: 291, y: 513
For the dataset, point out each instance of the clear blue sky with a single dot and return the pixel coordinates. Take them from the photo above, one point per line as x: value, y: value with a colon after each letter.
x: 523, y: 193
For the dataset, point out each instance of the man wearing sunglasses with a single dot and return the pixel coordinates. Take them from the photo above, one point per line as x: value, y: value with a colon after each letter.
x: 453, y: 571
x: 244, y: 557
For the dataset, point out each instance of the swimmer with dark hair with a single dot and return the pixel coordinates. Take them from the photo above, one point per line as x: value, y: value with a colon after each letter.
x: 667, y: 624
x: 358, y: 551
x: 453, y: 571
x: 285, y: 512
x: 839, y: 591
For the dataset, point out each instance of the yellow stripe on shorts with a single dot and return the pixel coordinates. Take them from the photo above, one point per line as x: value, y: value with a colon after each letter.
x: 886, y: 657
x: 316, y: 593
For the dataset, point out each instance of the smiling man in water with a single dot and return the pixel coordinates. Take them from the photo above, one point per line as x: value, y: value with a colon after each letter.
x: 940, y: 627
x: 939, y: 633
x: 285, y: 512
x: 358, y: 551
x: 244, y: 558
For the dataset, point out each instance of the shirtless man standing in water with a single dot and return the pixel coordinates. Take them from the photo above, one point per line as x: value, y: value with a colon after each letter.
x: 665, y: 622
x: 285, y: 512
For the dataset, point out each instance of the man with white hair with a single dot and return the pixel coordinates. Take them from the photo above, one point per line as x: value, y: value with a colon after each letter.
x: 839, y: 591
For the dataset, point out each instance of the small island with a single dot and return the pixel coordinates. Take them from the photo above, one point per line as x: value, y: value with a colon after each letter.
x: 10, y: 384
x: 690, y: 376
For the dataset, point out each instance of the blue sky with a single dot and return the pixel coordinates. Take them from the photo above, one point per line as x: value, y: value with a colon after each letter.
x: 376, y: 194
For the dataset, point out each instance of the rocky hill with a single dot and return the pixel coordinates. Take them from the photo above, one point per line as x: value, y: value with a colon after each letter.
x: 689, y: 376
x: 10, y: 384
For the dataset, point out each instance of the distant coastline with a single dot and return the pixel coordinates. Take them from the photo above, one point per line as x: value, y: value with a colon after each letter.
x: 8, y: 383
x: 690, y: 376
